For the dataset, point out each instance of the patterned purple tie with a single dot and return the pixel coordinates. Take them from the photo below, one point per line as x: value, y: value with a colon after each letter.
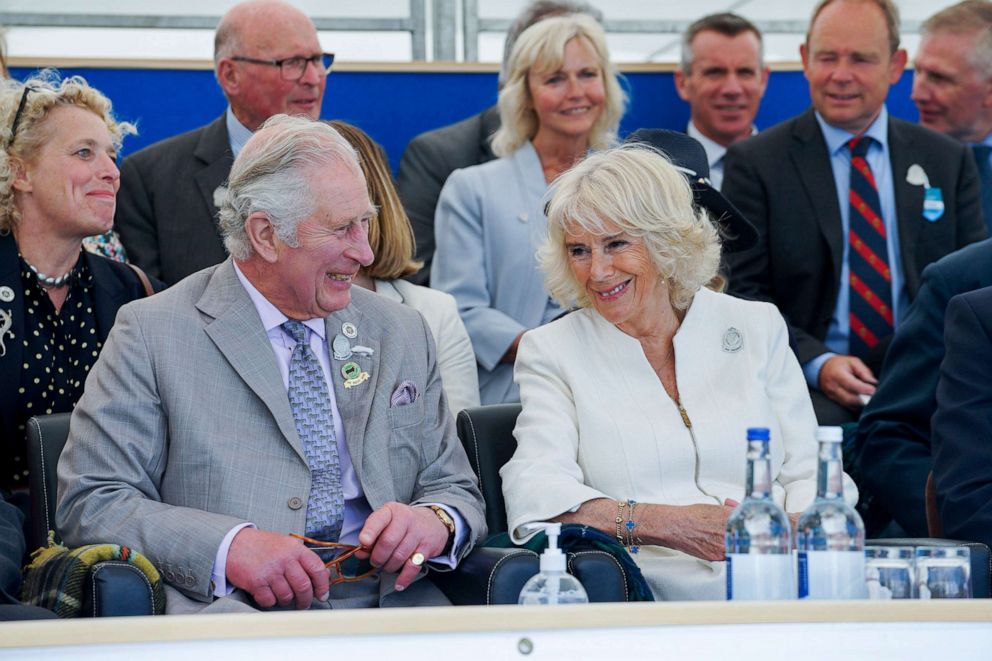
x: 310, y: 401
x: 868, y: 258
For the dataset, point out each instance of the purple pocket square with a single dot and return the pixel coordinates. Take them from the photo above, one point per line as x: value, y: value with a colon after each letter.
x: 405, y: 393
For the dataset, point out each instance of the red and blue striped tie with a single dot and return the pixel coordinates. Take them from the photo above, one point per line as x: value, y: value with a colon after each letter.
x: 868, y: 258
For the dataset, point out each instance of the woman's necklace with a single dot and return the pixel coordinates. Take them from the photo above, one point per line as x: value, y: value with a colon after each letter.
x: 47, y: 281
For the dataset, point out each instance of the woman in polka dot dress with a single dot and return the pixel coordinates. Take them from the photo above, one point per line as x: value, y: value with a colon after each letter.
x: 58, y: 185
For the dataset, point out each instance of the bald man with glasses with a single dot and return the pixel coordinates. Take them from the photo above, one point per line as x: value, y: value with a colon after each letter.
x: 268, y: 61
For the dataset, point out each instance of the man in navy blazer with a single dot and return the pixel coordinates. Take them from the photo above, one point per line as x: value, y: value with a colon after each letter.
x: 962, y: 425
x: 894, y: 430
x: 792, y: 182
x: 171, y: 191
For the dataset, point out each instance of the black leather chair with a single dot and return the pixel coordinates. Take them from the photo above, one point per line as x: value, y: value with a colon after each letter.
x: 113, y: 588
x: 486, y: 432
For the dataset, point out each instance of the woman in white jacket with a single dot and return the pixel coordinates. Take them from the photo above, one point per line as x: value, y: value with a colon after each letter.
x: 635, y: 406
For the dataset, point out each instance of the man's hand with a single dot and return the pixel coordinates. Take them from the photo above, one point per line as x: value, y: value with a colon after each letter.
x: 395, y: 532
x: 844, y: 379
x: 276, y: 569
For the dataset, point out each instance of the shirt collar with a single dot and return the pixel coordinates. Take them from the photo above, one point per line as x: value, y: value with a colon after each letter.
x: 837, y: 139
x: 271, y: 317
x: 714, y: 150
x: 237, y: 133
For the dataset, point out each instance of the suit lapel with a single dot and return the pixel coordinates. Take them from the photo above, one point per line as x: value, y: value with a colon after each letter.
x: 812, y: 162
x: 354, y: 399
x: 237, y: 332
x: 10, y: 361
x: 214, y: 152
x: 108, y: 296
x: 909, y: 204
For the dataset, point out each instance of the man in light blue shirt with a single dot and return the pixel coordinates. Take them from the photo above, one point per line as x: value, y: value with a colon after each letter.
x: 722, y: 77
x: 794, y: 182
x: 952, y: 86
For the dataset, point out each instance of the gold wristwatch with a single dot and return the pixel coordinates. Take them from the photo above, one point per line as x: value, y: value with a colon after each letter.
x: 448, y: 522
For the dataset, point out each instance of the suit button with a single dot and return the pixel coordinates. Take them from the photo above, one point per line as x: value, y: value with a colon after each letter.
x: 190, y: 581
x: 169, y: 576
x: 295, y: 503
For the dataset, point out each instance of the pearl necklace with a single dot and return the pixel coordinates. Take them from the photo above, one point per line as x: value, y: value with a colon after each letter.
x: 49, y: 282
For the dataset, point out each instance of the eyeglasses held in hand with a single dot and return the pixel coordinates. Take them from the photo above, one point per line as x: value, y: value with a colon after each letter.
x: 337, y: 573
x: 293, y: 68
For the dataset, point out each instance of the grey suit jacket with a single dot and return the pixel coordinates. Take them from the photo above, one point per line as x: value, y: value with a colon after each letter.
x: 782, y: 181
x: 166, y: 215
x: 490, y: 221
x: 428, y: 161
x: 185, y: 429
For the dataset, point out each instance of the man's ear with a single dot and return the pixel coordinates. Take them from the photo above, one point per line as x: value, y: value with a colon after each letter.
x: 262, y: 236
x: 227, y: 76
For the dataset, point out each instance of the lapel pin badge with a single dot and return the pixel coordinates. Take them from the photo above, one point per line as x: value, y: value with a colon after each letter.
x: 363, y: 350
x: 353, y: 375
x: 6, y: 294
x: 733, y: 340
x: 350, y: 330
x: 933, y: 197
x: 341, y: 347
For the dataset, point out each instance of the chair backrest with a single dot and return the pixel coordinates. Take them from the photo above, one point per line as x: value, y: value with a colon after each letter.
x: 486, y: 433
x: 46, y: 438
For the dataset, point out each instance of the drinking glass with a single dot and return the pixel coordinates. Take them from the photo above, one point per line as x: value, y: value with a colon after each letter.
x: 890, y: 572
x: 943, y: 572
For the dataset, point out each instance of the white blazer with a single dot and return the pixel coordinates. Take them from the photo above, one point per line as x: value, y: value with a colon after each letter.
x: 597, y: 423
x: 455, y: 358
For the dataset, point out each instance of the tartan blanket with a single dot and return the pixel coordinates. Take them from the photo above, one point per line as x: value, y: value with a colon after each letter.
x: 57, y: 575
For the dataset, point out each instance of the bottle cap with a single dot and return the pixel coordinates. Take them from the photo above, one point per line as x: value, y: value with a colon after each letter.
x: 829, y: 434
x: 758, y: 434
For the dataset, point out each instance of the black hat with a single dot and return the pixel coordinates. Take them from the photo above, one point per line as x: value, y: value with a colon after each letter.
x: 689, y: 157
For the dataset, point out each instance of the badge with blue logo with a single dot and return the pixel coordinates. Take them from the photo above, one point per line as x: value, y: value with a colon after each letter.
x: 933, y: 204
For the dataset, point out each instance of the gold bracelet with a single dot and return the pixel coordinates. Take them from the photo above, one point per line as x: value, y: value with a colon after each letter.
x: 619, y: 520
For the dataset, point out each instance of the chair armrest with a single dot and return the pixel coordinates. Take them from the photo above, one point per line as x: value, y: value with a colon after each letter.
x: 116, y: 588
x: 981, y: 559
x: 600, y: 574
x: 488, y: 575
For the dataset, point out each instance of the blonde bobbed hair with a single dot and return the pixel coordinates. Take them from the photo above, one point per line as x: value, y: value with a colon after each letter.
x: 637, y: 189
x: 46, y: 90
x: 541, y: 48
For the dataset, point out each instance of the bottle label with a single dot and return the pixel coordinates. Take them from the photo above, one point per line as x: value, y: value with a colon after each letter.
x: 759, y: 577
x: 832, y: 575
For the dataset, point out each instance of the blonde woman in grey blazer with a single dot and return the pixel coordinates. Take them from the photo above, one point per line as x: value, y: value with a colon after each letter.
x: 560, y: 99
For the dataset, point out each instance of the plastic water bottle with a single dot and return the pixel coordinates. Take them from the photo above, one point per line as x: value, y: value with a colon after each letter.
x: 553, y: 585
x: 830, y: 536
x: 758, y: 540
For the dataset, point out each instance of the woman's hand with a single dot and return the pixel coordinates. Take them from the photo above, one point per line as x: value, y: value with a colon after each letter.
x: 697, y: 529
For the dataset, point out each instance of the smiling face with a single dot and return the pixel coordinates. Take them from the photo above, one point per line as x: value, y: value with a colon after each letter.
x: 568, y: 101
x: 70, y: 185
x: 950, y: 91
x: 618, y: 275
x: 848, y: 64
x: 724, y: 85
x: 314, y: 279
x: 258, y: 91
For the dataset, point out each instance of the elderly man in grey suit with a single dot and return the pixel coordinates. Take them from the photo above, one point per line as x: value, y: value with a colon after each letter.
x: 267, y: 60
x: 265, y: 396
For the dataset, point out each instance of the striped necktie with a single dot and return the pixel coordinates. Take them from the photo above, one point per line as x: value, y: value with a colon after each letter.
x: 870, y: 282
x: 310, y: 401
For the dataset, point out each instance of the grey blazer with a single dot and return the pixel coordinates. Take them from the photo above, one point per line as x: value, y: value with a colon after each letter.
x: 490, y: 223
x: 166, y: 213
x: 185, y: 429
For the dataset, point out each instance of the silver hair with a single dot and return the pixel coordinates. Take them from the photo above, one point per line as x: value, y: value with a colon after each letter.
x: 971, y: 17
x: 270, y: 176
x: 636, y: 188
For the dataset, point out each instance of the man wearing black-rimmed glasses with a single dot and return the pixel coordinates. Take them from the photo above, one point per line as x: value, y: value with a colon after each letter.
x: 267, y: 60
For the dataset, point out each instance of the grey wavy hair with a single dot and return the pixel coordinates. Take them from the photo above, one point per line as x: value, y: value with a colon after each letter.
x: 541, y: 47
x: 636, y: 188
x: 46, y: 91
x: 270, y: 176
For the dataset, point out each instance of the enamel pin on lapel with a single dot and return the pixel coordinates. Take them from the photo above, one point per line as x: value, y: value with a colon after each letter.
x: 353, y: 375
x: 350, y: 330
x: 341, y: 347
x: 733, y: 341
x: 6, y: 294
x: 933, y: 198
